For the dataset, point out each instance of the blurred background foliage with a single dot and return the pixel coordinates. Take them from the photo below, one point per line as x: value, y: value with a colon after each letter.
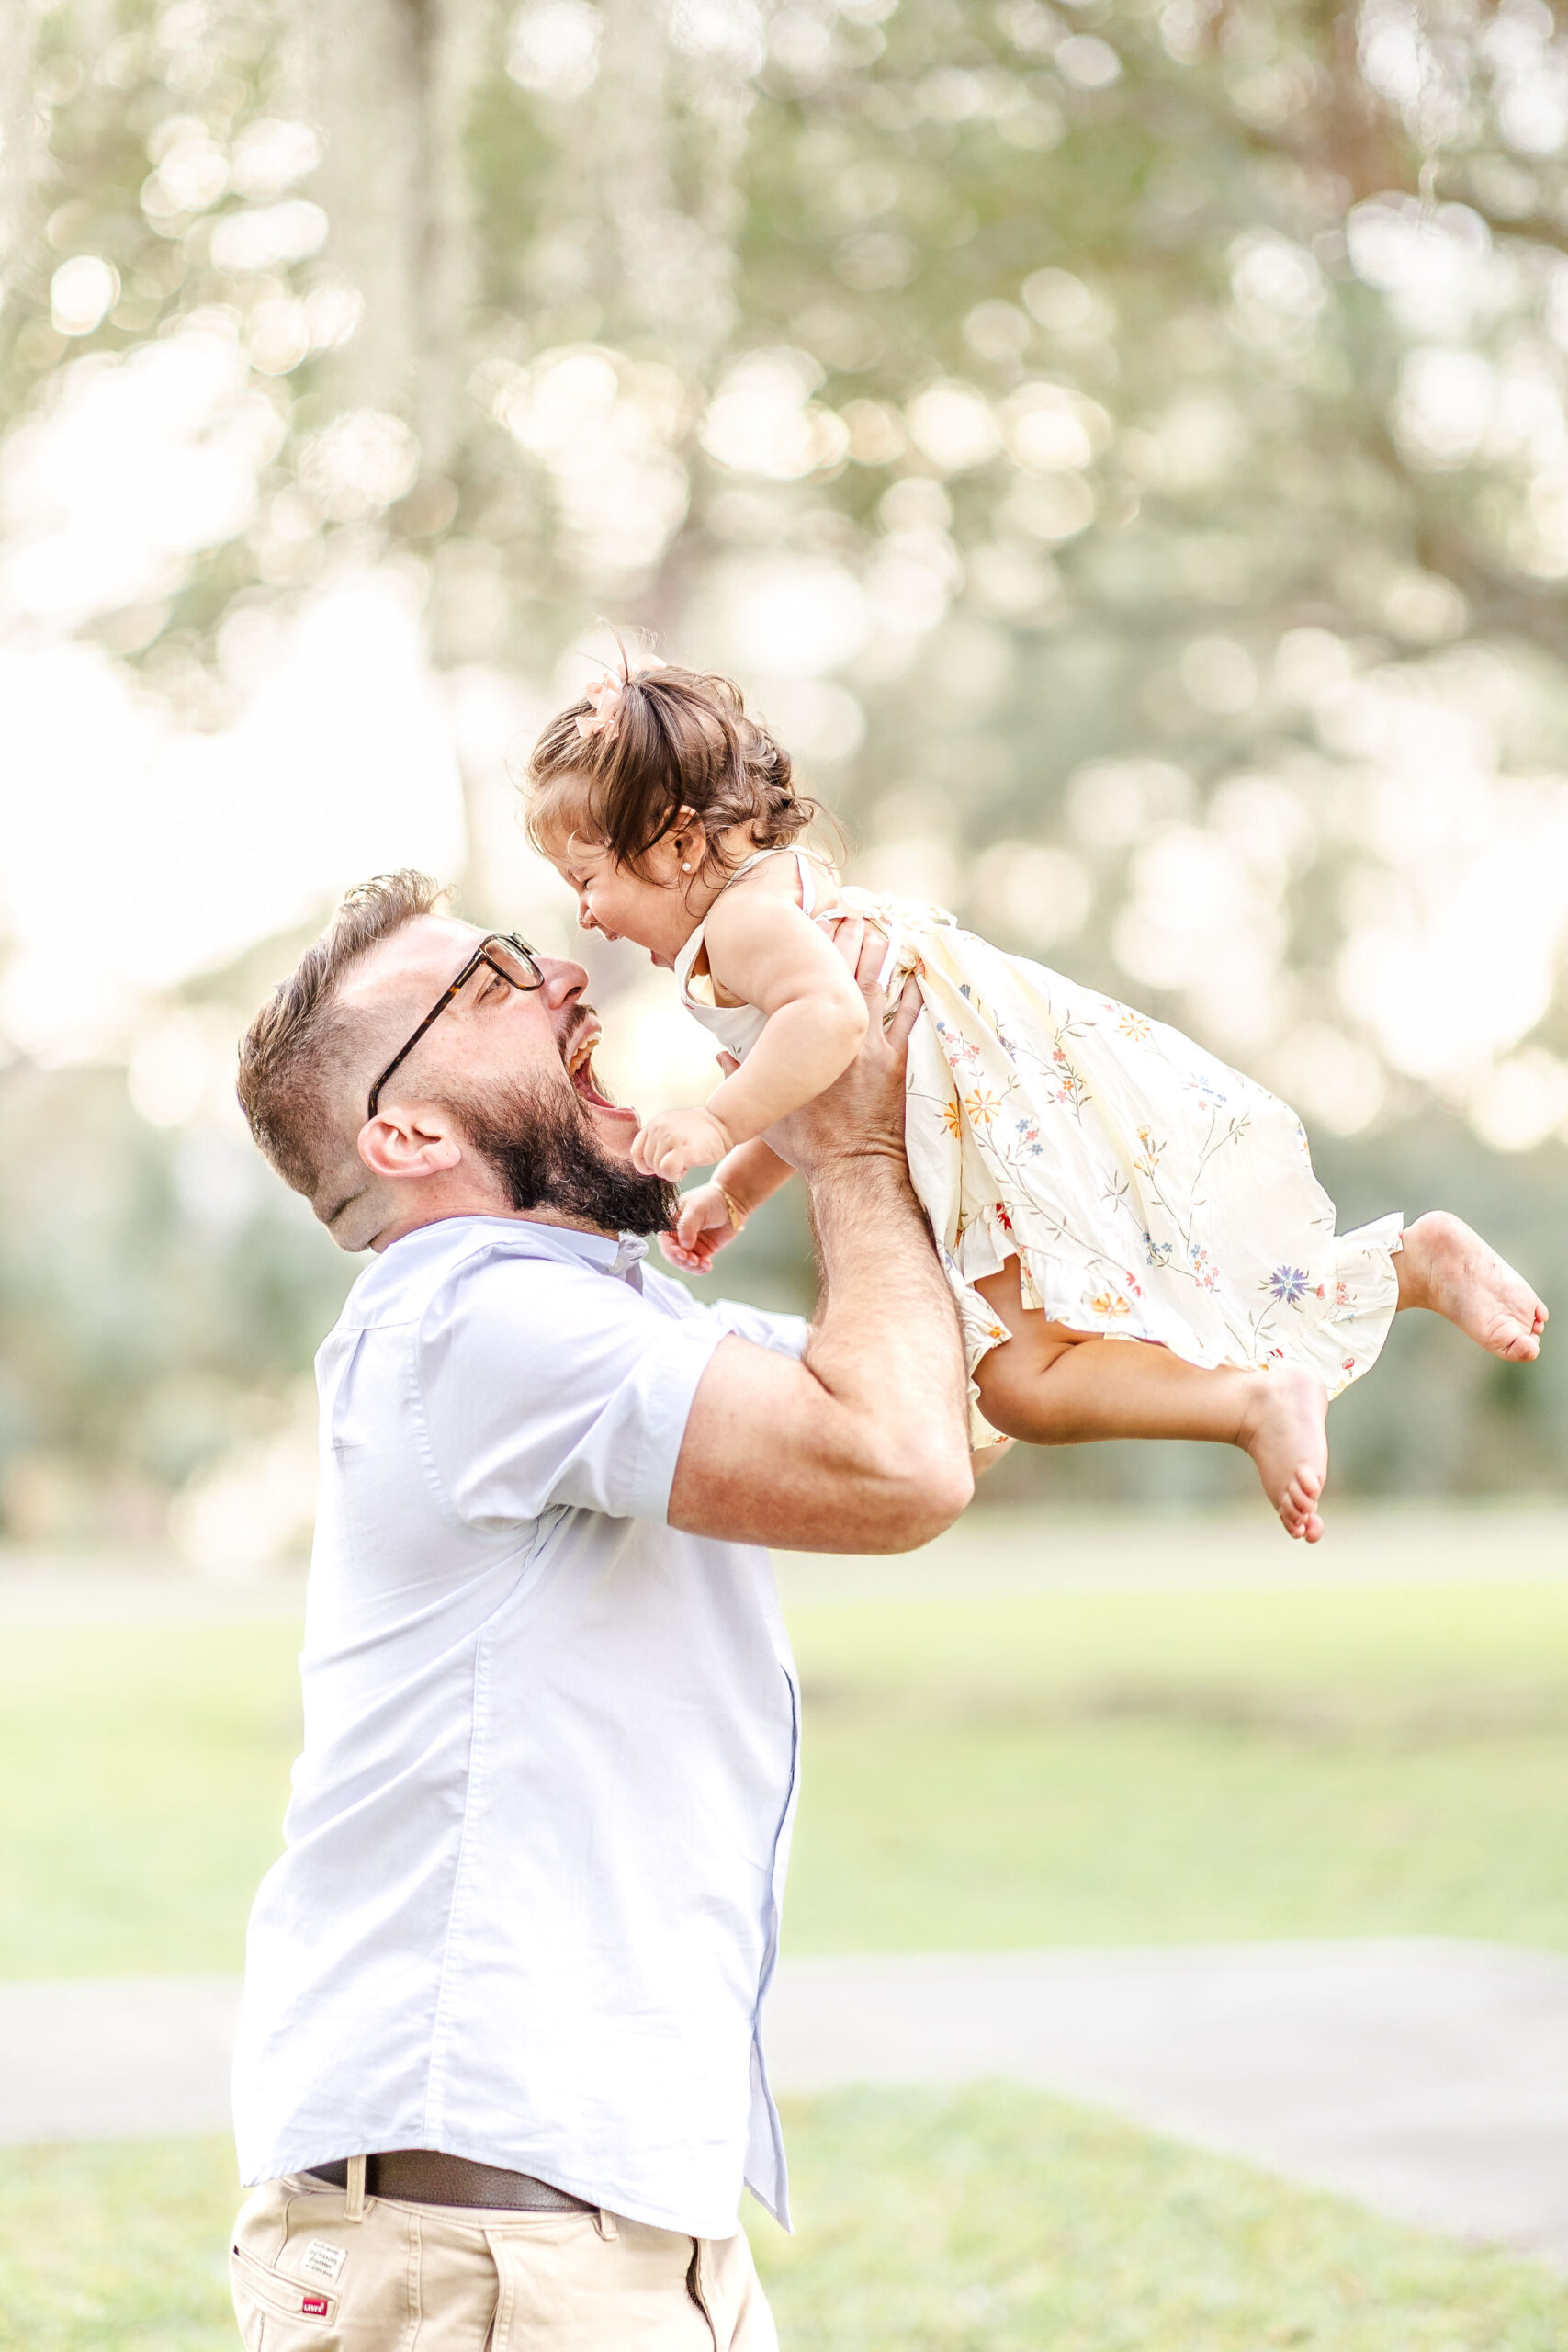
x: 1120, y: 447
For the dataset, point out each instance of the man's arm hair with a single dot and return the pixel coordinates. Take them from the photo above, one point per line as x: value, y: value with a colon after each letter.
x: 861, y: 1446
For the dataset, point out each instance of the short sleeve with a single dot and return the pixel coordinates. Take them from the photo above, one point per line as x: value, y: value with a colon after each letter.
x: 543, y: 1383
x: 782, y: 1334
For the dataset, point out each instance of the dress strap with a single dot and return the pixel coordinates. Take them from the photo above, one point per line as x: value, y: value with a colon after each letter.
x: 758, y: 858
x: 804, y: 862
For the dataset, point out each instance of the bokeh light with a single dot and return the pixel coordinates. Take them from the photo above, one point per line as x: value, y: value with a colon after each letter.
x: 1124, y: 454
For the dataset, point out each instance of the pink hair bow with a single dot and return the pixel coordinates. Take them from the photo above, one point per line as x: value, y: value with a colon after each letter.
x: 604, y: 694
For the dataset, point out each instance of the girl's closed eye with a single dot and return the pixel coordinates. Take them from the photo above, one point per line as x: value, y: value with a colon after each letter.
x: 639, y: 899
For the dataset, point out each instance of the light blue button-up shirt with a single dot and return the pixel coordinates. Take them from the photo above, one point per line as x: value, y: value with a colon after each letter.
x: 528, y: 1907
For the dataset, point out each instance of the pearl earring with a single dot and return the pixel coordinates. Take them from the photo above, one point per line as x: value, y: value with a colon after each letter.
x: 685, y: 866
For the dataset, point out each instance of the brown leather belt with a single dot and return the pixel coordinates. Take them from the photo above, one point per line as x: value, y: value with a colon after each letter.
x: 423, y: 2176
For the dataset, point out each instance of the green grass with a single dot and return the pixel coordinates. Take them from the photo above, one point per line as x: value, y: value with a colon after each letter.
x: 993, y: 2221
x: 1011, y: 1768
x: 143, y: 1773
x: 1031, y: 1767
x: 1135, y: 1766
x: 998, y: 2221
x: 118, y: 2249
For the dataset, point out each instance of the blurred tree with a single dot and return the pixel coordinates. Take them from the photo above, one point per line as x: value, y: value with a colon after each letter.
x: 1122, y: 446
x: 161, y: 1298
x: 999, y: 389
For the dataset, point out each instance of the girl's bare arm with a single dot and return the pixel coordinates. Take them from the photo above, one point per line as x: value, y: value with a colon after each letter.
x: 751, y: 1174
x: 764, y: 952
x: 743, y: 1180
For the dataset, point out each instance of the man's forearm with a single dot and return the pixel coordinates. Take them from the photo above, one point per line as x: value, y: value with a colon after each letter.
x: 864, y: 1446
x: 886, y: 1343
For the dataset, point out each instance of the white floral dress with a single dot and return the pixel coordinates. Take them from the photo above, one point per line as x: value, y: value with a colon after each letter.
x: 1146, y: 1191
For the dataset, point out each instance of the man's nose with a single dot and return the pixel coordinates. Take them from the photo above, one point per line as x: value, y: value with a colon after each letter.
x: 563, y: 981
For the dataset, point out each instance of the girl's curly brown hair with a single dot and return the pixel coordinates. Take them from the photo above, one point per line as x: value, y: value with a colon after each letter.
x: 678, y: 741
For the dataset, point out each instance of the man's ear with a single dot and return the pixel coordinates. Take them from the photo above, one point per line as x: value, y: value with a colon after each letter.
x: 410, y: 1143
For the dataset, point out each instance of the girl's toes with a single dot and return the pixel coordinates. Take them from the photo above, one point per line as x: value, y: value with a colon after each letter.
x: 1298, y: 1506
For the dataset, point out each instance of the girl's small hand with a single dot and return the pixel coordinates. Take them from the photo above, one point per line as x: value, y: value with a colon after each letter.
x: 702, y: 1228
x: 673, y: 1141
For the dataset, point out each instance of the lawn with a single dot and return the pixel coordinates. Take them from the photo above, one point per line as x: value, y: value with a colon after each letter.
x: 1087, y: 1763
x: 1131, y: 1766
x: 1009, y: 1768
x: 143, y: 1773
x: 994, y: 2221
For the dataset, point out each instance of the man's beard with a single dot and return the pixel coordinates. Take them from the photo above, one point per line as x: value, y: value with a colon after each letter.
x: 548, y: 1154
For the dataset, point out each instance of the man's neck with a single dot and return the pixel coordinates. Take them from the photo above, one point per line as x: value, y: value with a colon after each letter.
x: 490, y: 1205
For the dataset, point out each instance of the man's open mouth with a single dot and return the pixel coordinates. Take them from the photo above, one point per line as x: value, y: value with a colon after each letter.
x: 579, y: 1069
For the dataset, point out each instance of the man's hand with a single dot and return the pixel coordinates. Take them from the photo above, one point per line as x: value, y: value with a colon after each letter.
x: 673, y: 1141
x: 862, y: 1111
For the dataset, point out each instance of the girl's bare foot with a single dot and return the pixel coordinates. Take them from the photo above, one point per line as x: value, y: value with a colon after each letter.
x: 1285, y: 1430
x: 1446, y: 1267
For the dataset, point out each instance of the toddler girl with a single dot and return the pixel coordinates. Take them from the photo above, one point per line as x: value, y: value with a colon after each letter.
x: 1091, y: 1176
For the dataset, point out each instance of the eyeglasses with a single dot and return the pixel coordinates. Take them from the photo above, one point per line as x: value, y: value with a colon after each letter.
x: 505, y: 952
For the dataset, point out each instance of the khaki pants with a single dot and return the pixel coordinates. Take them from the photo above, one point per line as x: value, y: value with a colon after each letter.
x: 449, y: 2278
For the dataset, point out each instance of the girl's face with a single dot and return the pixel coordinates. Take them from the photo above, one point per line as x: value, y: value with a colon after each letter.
x: 650, y: 909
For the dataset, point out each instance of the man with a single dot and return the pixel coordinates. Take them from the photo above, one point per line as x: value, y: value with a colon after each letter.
x: 500, y: 2074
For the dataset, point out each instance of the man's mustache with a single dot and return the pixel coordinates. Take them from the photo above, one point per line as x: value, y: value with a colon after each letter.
x: 583, y: 1019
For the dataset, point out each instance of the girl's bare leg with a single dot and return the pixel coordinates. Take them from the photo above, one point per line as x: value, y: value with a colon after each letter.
x: 1446, y: 1267
x: 1054, y: 1386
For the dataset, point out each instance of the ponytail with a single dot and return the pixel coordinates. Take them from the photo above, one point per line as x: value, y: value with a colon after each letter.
x: 622, y: 765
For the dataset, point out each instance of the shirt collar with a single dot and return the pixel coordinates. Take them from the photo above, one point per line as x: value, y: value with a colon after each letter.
x: 619, y: 1254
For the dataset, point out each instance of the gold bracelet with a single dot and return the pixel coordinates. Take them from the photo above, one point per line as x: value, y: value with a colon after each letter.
x: 738, y: 1216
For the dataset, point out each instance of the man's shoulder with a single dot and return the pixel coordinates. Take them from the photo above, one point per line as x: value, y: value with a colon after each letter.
x: 465, y: 1256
